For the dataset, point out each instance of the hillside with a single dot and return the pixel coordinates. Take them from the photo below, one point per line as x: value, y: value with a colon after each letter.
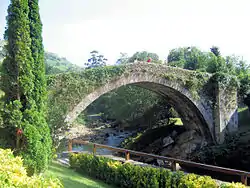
x: 53, y: 63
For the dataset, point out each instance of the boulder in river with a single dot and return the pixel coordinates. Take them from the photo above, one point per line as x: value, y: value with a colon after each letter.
x: 167, y: 141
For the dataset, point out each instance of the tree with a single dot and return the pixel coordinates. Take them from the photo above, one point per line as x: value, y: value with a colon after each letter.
x: 188, y: 58
x: 123, y: 59
x: 40, y: 89
x: 143, y: 56
x: 96, y: 60
x: 215, y: 50
x: 22, y: 84
x: 37, y: 50
x: 246, y: 100
x: 176, y: 57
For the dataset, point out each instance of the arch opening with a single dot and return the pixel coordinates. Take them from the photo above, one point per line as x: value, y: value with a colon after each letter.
x: 192, y: 117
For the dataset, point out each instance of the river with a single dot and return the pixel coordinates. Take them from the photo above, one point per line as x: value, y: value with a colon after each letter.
x: 114, y: 138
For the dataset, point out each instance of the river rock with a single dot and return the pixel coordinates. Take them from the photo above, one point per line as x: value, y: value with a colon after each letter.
x: 160, y: 162
x: 174, y: 134
x: 185, y: 144
x: 149, y: 160
x: 167, y: 141
x: 187, y: 136
x: 156, y: 143
x: 167, y: 150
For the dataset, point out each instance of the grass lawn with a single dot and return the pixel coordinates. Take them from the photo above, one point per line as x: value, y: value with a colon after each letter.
x: 72, y: 179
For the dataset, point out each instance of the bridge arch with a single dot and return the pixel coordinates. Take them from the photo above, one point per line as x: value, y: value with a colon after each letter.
x: 185, y: 90
x: 192, y: 111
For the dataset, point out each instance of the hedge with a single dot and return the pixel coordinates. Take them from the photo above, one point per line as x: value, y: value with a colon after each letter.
x: 132, y: 176
x: 13, y: 174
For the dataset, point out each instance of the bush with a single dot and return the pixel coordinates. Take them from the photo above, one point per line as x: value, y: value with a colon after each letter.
x: 13, y: 174
x: 128, y: 175
x: 232, y: 185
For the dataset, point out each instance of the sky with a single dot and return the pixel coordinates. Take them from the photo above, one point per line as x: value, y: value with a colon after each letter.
x: 73, y: 28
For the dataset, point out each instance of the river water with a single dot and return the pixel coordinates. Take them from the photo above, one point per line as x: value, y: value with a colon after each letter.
x: 114, y: 139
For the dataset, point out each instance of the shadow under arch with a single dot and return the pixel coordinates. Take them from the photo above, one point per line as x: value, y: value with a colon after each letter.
x: 191, y: 116
x: 191, y: 111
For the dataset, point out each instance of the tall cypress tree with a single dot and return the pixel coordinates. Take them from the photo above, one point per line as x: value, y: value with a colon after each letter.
x: 24, y: 109
x: 37, y: 49
x: 40, y: 92
x: 18, y: 78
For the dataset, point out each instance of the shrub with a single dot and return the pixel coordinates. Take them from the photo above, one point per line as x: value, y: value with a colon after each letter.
x: 128, y: 175
x: 232, y: 185
x: 193, y: 181
x: 13, y: 174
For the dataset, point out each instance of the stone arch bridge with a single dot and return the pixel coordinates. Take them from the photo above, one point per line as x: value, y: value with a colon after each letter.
x: 203, y: 105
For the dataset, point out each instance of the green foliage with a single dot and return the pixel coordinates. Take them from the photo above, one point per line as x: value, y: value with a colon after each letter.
x: 225, y: 80
x: 193, y: 181
x: 232, y: 185
x: 24, y: 84
x: 55, y: 64
x: 128, y: 175
x: 37, y: 153
x: 188, y: 58
x: 13, y: 174
x: 212, y: 62
x: 234, y: 153
x: 143, y: 56
x: 17, y: 74
x: 126, y: 103
x: 12, y: 114
x: 71, y: 178
x: 194, y: 81
x: 39, y: 93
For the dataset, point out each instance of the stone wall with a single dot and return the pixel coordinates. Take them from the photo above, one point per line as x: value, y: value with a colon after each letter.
x: 226, y: 115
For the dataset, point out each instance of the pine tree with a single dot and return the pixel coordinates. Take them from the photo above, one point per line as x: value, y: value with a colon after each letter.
x: 23, y: 81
